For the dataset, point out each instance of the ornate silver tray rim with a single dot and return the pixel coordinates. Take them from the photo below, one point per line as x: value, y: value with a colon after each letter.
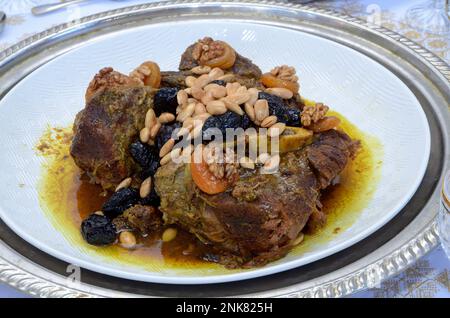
x: 19, y: 272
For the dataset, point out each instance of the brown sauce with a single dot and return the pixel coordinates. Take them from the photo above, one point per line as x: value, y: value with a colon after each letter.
x: 67, y: 198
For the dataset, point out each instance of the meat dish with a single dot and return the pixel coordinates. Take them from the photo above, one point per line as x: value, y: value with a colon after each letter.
x: 159, y: 142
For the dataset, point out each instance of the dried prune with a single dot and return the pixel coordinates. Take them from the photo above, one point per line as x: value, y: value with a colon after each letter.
x: 120, y: 201
x: 285, y: 114
x: 222, y: 122
x: 98, y: 230
x: 219, y: 82
x: 151, y: 199
x: 147, y: 157
x: 165, y: 101
x: 208, y: 129
x: 165, y: 133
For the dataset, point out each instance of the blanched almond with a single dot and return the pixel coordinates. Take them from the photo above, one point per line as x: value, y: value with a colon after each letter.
x: 253, y: 95
x: 154, y: 130
x: 218, y: 92
x: 216, y: 107
x: 125, y: 183
x: 201, y: 69
x: 234, y: 107
x: 186, y: 112
x: 215, y: 73
x: 182, y: 97
x: 280, y: 92
x: 167, y: 147
x: 146, y: 187
x: 261, y: 109
x: 197, y: 92
x: 269, y: 121
x: 199, y: 109
x: 144, y: 135
x: 250, y: 111
x: 232, y: 88
x: 239, y: 98
x: 202, y: 81
x: 150, y: 118
x: 207, y: 97
x: 271, y: 165
x: 165, y: 118
x: 190, y: 80
x: 227, y: 77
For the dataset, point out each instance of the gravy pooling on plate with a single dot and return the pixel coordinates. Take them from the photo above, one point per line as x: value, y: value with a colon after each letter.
x: 67, y: 198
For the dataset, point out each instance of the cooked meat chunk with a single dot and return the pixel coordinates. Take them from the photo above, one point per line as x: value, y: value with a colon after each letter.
x: 242, y: 68
x: 249, y: 225
x: 329, y: 155
x: 104, y: 130
x: 145, y: 219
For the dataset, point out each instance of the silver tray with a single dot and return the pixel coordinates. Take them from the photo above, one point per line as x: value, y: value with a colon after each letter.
x: 410, y: 235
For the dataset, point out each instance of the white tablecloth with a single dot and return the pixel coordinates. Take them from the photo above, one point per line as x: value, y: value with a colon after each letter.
x: 429, y: 277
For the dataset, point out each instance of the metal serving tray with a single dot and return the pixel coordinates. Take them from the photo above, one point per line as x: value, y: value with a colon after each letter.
x: 410, y: 235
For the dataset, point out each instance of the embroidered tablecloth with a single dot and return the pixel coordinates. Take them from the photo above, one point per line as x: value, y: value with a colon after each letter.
x: 429, y: 277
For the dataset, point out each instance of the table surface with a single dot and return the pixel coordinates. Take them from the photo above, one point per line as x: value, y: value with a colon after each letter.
x: 430, y: 276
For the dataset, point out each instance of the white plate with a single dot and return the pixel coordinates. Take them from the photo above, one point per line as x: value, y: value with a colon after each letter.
x: 351, y: 83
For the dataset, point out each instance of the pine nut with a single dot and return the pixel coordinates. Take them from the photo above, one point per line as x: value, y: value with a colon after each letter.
x: 262, y: 158
x: 155, y: 129
x: 202, y: 81
x: 199, y: 109
x: 269, y: 121
x: 190, y: 80
x: 247, y: 163
x: 99, y: 212
x: 241, y: 90
x: 188, y: 91
x: 144, y: 135
x: 250, y: 111
x: 150, y: 118
x: 211, y: 86
x: 215, y: 73
x: 169, y: 234
x: 280, y: 92
x: 166, y: 148
x: 165, y: 118
x: 199, y: 70
x: 127, y: 239
x: 276, y: 130
x: 146, y: 187
x: 271, y: 165
x: 186, y: 113
x: 253, y: 96
x: 216, y: 107
x: 182, y: 97
x: 233, y: 106
x: 197, y: 92
x: 125, y: 183
x: 261, y: 109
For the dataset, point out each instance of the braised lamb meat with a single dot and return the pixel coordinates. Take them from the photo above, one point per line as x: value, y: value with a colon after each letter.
x: 104, y: 130
x: 249, y: 225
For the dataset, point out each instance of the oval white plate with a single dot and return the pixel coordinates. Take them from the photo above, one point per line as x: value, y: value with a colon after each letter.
x: 362, y: 90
